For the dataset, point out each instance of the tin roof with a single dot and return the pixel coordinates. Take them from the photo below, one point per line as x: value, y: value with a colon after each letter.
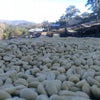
x: 54, y: 24
x: 36, y: 30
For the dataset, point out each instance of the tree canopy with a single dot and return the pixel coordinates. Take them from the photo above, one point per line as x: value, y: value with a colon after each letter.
x: 94, y: 6
x: 71, y: 11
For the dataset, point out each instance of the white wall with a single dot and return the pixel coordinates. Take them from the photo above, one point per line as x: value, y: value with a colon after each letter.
x: 73, y: 21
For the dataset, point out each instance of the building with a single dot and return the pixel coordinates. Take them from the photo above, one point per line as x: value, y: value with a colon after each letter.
x: 54, y: 26
x: 74, y: 21
x: 35, y: 32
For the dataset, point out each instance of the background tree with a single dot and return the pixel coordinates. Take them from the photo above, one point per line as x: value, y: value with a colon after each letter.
x: 17, y: 32
x: 45, y: 24
x: 85, y: 15
x: 94, y: 6
x: 71, y: 11
x: 62, y: 21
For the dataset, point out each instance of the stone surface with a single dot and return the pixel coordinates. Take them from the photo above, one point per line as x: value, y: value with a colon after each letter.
x: 95, y: 91
x: 56, y: 97
x: 42, y: 97
x: 4, y: 95
x: 53, y: 86
x: 28, y: 94
x: 15, y: 98
x: 41, y: 89
x: 50, y: 68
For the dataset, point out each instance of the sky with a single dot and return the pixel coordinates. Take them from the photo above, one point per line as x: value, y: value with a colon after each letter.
x: 37, y: 10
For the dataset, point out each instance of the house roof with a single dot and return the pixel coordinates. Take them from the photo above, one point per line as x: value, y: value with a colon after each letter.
x: 36, y: 30
x: 54, y: 24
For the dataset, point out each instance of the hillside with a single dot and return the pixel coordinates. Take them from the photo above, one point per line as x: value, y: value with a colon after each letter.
x: 15, y: 22
x: 16, y: 28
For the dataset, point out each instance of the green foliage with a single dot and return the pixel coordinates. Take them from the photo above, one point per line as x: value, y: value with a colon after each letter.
x: 85, y: 15
x: 20, y: 30
x: 2, y: 27
x: 62, y: 21
x: 94, y: 6
x: 5, y: 36
x: 71, y: 11
x: 45, y: 24
x: 11, y: 32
